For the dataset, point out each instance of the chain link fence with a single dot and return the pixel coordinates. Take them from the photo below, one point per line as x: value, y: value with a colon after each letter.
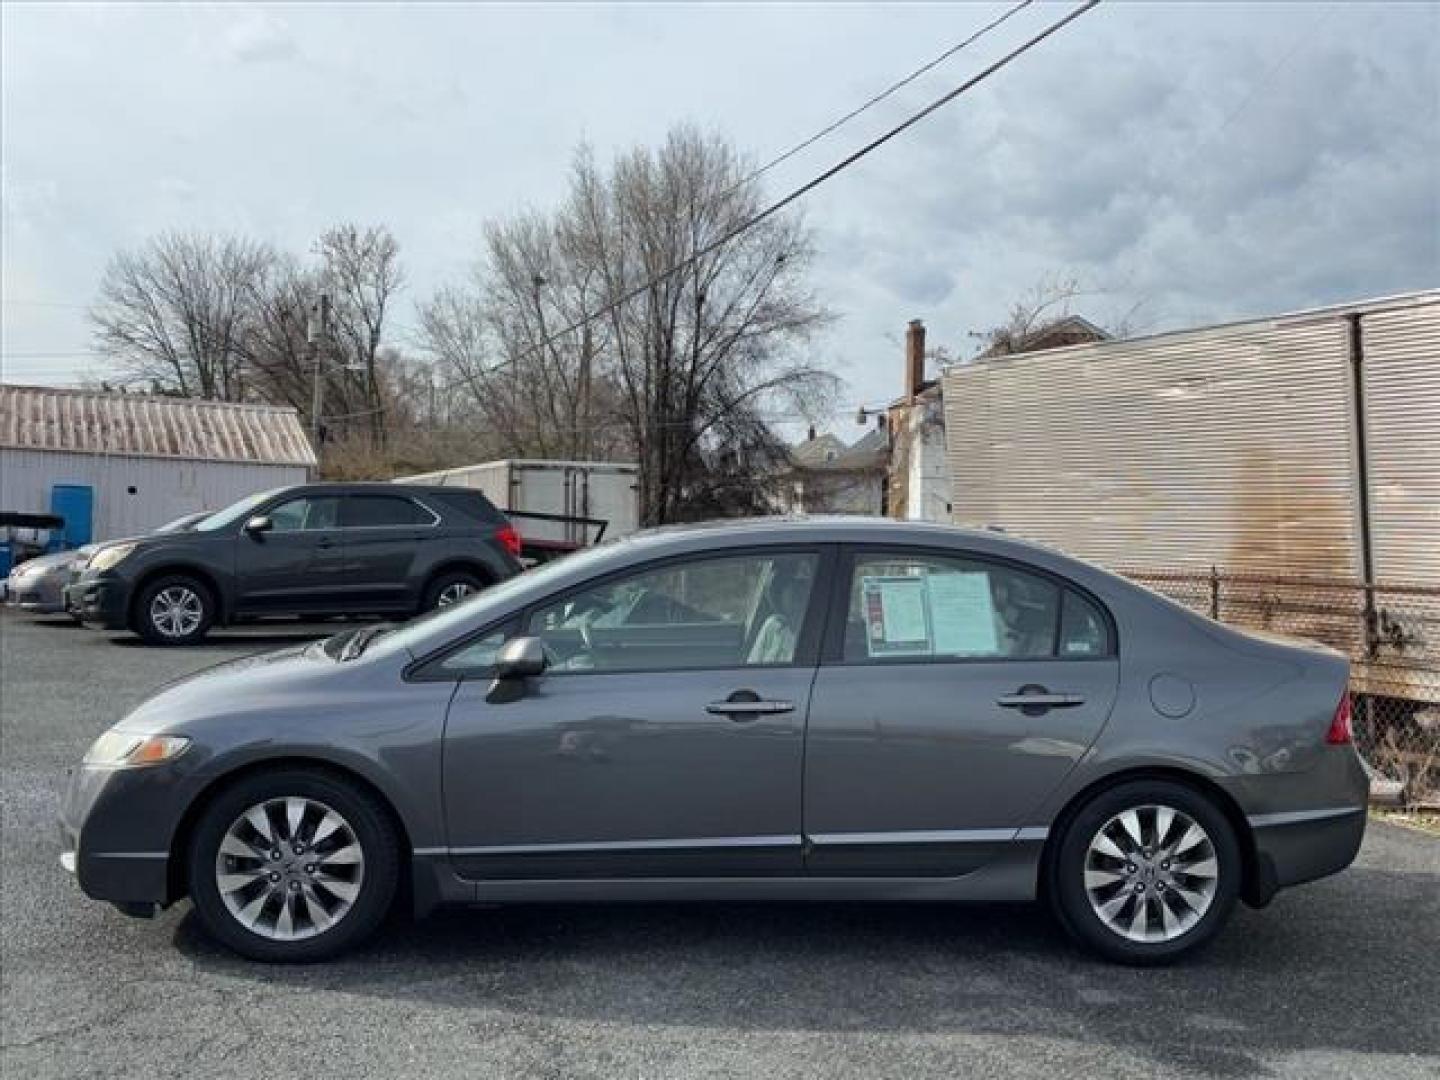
x: 1390, y: 631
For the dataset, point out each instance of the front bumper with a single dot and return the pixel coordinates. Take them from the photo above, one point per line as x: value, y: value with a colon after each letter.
x: 117, y: 827
x: 101, y: 601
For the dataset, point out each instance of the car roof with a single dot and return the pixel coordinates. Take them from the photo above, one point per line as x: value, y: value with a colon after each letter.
x: 375, y: 487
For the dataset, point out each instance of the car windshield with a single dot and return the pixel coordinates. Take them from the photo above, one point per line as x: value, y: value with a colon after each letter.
x: 235, y: 511
x: 184, y: 523
x: 432, y: 628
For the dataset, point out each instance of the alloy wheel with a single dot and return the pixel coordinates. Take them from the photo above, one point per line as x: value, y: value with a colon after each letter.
x: 1151, y: 873
x: 176, y: 611
x: 290, y: 868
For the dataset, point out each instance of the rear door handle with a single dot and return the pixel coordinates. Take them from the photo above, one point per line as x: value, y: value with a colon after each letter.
x: 1038, y: 698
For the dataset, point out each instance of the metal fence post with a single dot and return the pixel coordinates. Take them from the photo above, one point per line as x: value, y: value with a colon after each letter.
x: 1214, y: 592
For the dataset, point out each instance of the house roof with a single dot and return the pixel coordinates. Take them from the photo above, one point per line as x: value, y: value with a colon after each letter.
x: 144, y: 425
x: 1066, y: 330
x: 830, y: 452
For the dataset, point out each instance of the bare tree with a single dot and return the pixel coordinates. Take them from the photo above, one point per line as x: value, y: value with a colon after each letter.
x: 690, y: 350
x: 176, y: 313
x: 1043, y: 307
x: 362, y: 273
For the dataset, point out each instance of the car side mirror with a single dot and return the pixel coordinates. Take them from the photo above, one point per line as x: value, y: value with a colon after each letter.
x: 260, y: 523
x: 520, y: 659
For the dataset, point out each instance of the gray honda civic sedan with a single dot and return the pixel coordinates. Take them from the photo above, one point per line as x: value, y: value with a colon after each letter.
x: 778, y: 709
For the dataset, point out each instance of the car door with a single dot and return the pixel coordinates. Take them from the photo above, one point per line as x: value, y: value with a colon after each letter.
x: 955, y: 694
x: 381, y: 534
x: 293, y: 565
x: 665, y: 739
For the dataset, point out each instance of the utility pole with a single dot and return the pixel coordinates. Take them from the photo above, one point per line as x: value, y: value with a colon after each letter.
x: 317, y: 333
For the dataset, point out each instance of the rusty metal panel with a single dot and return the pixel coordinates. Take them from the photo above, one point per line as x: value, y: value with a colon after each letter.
x: 140, y: 425
x: 1402, y: 438
x: 1229, y: 446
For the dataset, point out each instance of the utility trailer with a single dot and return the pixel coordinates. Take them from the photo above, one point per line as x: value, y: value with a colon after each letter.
x: 1279, y: 473
x: 557, y: 506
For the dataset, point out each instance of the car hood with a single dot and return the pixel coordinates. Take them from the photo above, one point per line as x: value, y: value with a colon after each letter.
x: 240, y: 685
x: 47, y: 562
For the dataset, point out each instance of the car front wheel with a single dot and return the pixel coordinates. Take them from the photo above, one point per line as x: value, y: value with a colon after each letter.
x: 1146, y: 872
x: 295, y: 865
x: 175, y: 610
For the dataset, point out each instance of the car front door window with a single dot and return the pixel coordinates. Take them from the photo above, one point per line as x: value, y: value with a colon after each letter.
x: 737, y: 611
x: 309, y: 514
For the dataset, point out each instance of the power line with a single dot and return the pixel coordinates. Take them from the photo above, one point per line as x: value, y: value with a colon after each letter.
x: 803, y: 190
x: 887, y: 92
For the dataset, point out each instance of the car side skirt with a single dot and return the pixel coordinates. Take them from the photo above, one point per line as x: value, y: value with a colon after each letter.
x: 1010, y: 877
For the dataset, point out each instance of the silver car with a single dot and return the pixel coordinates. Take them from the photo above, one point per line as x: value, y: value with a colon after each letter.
x: 38, y: 585
x: 766, y: 710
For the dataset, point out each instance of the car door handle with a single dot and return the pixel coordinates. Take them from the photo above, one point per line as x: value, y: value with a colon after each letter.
x: 1038, y: 698
x: 325, y: 544
x: 746, y: 705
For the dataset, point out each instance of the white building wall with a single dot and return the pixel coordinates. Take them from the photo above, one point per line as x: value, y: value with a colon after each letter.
x: 134, y: 494
x: 927, y: 469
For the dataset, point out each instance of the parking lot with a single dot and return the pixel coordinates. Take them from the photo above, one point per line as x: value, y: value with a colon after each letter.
x: 1341, y: 978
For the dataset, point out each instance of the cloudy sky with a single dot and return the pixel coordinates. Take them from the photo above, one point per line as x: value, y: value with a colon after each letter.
x: 1204, y: 162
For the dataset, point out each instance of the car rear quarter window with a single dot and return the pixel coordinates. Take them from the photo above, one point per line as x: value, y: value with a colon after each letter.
x: 1084, y: 630
x: 374, y: 511
x: 472, y: 504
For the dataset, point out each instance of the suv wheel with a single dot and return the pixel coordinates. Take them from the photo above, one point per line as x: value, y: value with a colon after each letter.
x: 1146, y: 872
x: 451, y: 588
x: 174, y: 610
x: 293, y: 865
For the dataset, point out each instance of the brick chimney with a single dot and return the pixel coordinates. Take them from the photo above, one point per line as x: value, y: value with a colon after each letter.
x: 914, y: 358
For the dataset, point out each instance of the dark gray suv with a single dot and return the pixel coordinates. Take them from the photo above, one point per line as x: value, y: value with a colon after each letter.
x: 766, y: 710
x: 315, y: 550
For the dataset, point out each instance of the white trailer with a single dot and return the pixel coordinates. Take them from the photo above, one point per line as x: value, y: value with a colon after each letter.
x: 602, y: 491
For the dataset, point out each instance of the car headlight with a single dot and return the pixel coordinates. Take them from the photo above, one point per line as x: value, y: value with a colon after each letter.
x: 126, y: 750
x: 109, y: 556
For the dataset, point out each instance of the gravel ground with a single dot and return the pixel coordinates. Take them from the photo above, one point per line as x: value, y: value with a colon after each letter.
x: 1341, y: 978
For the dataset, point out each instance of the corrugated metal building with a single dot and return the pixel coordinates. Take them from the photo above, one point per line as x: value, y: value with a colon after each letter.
x: 147, y: 459
x: 1294, y: 461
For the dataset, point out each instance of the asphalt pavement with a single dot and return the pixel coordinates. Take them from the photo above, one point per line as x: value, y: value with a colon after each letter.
x: 1336, y: 979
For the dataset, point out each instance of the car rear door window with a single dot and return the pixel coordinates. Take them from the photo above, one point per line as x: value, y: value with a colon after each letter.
x: 379, y: 511
x: 734, y: 611
x: 907, y: 607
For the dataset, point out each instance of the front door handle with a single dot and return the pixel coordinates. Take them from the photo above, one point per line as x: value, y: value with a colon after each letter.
x: 1039, y: 699
x: 324, y: 544
x: 745, y: 705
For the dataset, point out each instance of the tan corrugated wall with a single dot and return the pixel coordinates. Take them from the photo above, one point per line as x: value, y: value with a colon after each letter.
x: 1402, y: 436
x: 1231, y: 446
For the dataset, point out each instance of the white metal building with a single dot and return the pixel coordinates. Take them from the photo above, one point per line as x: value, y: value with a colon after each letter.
x: 147, y: 459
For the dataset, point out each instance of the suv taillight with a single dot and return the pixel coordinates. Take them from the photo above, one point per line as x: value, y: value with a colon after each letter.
x: 509, y: 539
x: 1341, y: 732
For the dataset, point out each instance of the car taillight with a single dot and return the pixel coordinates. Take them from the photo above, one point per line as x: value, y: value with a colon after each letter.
x: 1341, y: 732
x: 509, y: 539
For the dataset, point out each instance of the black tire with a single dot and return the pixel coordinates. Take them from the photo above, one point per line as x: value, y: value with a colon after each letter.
x: 155, y: 630
x: 1072, y: 900
x: 370, y: 826
x: 450, y: 581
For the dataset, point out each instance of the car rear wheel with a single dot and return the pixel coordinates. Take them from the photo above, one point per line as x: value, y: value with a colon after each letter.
x: 174, y: 610
x: 291, y: 866
x: 1146, y: 872
x: 451, y: 588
